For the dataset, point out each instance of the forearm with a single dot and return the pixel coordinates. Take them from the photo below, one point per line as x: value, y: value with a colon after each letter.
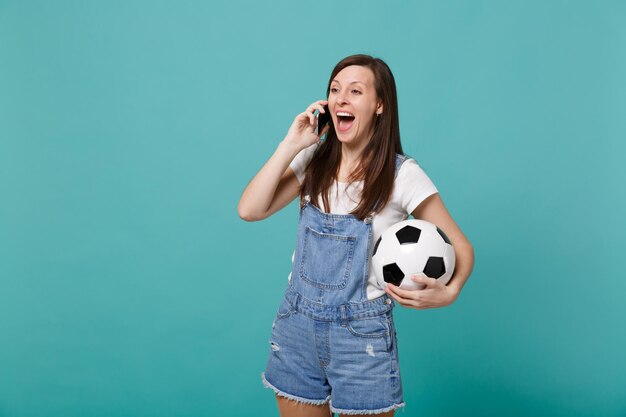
x: 257, y: 196
x: 463, y: 268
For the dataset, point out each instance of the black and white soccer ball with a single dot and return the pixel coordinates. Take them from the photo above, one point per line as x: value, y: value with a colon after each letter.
x: 412, y: 247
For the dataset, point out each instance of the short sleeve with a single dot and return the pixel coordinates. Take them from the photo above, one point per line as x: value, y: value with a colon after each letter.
x: 301, y: 161
x: 413, y: 185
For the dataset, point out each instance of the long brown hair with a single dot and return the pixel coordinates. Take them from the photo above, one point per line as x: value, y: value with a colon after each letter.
x: 377, y: 162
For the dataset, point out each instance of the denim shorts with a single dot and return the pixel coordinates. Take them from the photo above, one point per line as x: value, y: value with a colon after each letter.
x: 347, y: 357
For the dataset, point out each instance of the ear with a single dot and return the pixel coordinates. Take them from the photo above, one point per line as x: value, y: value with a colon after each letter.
x: 379, y: 109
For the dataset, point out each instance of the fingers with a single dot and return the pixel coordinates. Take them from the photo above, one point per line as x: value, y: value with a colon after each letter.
x: 410, y: 298
x: 402, y: 292
x: 423, y: 279
x: 433, y: 296
x: 318, y: 105
x: 307, y: 115
x: 396, y: 293
x: 300, y: 122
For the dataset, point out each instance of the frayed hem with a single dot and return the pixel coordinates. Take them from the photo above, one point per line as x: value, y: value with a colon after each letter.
x: 378, y: 411
x: 292, y: 397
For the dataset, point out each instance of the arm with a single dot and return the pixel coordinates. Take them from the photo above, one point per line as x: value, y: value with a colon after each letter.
x: 276, y: 185
x: 269, y: 191
x: 436, y: 294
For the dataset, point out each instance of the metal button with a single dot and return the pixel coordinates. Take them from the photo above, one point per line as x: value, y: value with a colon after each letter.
x: 388, y: 301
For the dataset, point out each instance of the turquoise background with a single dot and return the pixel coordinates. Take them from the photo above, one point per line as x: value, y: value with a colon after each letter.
x: 129, y: 286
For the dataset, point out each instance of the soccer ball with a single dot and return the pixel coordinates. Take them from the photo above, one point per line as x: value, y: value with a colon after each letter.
x: 412, y: 247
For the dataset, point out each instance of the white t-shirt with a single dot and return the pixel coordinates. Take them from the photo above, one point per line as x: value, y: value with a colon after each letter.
x: 411, y: 187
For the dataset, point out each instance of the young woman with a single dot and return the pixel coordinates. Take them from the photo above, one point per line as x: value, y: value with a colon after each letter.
x: 333, y: 346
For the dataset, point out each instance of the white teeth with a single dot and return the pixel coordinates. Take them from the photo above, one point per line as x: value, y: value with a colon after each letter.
x: 344, y: 113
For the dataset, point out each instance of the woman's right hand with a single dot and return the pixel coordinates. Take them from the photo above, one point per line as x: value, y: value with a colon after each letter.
x: 302, y: 134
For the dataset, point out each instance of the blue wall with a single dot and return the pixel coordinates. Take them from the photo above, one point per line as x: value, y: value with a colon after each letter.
x: 128, y: 130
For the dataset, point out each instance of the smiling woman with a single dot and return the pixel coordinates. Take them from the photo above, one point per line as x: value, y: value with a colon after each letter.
x: 362, y: 92
x: 362, y: 101
x: 333, y: 345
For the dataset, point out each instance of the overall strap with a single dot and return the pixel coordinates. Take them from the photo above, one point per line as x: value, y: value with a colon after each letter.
x: 399, y: 161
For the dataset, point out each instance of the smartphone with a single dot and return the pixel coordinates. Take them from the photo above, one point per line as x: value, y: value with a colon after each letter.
x: 323, y: 119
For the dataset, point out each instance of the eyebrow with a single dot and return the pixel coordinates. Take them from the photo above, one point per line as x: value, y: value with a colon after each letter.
x: 353, y: 82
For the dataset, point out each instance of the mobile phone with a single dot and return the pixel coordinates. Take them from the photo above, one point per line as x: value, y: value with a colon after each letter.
x: 323, y: 119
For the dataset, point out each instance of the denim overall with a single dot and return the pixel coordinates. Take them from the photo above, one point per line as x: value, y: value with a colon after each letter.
x: 329, y: 342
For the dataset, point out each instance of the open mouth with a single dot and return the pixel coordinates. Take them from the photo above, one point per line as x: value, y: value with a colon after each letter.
x: 344, y: 121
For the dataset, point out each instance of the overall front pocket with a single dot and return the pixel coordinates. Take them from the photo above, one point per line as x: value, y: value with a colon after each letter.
x: 326, y: 259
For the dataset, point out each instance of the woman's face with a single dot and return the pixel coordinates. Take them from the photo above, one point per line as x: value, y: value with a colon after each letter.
x: 353, y: 104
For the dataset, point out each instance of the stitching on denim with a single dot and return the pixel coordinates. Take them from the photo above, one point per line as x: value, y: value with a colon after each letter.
x: 395, y: 366
x: 281, y: 393
x: 353, y: 411
x: 331, y: 235
x: 349, y: 263
x: 303, y: 273
x: 327, y: 345
x: 344, y: 217
x: 367, y: 262
x: 389, y: 333
x: 367, y: 309
x: 280, y: 315
x: 371, y: 335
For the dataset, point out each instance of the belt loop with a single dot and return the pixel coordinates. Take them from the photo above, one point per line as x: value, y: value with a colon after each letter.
x: 344, y: 320
x: 295, y: 302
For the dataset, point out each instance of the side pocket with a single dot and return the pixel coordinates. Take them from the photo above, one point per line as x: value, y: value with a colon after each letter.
x: 374, y: 328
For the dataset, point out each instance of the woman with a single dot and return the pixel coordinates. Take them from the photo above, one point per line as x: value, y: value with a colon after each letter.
x: 333, y: 346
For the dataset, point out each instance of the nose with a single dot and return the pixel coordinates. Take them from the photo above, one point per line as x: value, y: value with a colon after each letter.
x: 342, y: 97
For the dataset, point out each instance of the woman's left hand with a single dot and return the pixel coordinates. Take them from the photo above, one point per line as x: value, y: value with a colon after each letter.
x: 434, y: 295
